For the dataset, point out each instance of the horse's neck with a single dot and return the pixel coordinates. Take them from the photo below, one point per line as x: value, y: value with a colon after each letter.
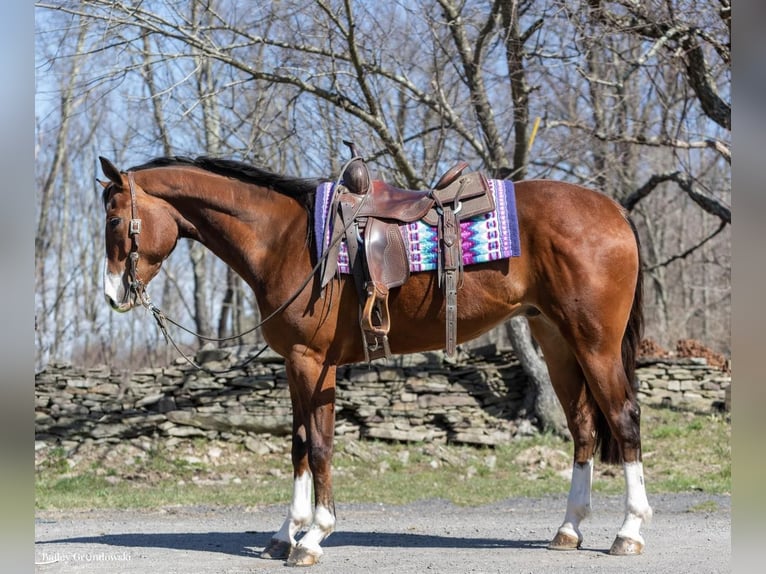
x: 248, y: 227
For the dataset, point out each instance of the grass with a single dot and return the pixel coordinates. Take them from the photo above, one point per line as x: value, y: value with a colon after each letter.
x: 686, y: 452
x: 682, y: 452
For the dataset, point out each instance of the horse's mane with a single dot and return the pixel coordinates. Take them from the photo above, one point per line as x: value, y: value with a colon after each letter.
x: 299, y: 188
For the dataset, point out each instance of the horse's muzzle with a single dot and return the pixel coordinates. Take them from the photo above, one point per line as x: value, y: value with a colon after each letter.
x: 124, y: 306
x: 117, y: 293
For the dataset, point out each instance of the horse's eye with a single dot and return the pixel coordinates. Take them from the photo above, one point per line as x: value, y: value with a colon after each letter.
x: 115, y: 221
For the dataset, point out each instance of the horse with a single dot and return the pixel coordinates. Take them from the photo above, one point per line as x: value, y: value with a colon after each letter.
x: 577, y: 281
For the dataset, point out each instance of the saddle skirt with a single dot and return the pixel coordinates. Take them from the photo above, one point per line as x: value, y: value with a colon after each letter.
x: 484, y: 238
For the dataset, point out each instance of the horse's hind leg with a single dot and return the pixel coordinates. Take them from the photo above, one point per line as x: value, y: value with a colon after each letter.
x: 591, y: 383
x: 580, y: 410
x: 611, y: 389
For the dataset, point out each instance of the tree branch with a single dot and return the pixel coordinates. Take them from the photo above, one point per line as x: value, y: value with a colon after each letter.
x: 673, y: 35
x: 722, y: 148
x: 471, y: 61
x: 689, y: 251
x: 708, y: 204
x: 631, y: 200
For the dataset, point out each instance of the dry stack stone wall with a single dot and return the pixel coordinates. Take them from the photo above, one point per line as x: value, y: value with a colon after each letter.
x: 477, y: 399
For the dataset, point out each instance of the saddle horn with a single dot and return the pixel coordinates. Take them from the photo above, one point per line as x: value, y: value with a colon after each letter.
x: 356, y: 176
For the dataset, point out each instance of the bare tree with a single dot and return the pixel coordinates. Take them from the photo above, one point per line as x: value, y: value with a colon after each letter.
x: 676, y: 56
x: 632, y: 99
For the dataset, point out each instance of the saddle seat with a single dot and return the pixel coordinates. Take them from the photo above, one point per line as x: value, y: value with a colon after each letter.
x: 372, y: 210
x: 384, y: 201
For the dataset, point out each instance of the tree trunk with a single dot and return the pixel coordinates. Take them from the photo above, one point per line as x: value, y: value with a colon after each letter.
x: 542, y: 400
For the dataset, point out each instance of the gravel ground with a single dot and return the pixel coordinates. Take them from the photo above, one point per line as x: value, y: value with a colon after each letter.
x: 690, y: 533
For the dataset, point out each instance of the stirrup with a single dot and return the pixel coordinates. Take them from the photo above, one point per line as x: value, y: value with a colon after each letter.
x: 377, y: 300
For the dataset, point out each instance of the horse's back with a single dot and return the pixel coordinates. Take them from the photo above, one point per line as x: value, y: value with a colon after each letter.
x: 571, y: 220
x: 557, y: 201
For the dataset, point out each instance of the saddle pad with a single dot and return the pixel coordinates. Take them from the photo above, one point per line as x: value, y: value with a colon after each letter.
x: 487, y: 237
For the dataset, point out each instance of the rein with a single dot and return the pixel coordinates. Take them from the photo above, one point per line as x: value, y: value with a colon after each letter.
x: 137, y: 286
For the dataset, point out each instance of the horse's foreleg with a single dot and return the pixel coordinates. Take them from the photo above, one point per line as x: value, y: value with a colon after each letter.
x: 308, y: 551
x: 300, y: 512
x: 315, y: 391
x: 298, y: 517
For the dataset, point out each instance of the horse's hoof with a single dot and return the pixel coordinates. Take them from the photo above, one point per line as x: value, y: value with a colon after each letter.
x: 302, y: 556
x: 564, y: 542
x: 276, y: 550
x: 626, y: 547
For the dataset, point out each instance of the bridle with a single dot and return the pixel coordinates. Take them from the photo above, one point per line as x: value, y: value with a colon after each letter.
x: 137, y: 286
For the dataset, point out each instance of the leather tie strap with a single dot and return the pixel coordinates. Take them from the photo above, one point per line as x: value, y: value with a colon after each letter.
x: 450, y: 274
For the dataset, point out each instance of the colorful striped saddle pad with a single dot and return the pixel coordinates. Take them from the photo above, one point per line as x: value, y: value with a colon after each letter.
x: 487, y: 237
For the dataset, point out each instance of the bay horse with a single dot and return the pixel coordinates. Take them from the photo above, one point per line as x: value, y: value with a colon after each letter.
x: 577, y: 281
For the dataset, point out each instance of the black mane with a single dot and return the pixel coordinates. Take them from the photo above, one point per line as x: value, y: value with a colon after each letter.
x: 299, y: 188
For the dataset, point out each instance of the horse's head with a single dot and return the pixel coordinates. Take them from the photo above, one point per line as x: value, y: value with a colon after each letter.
x: 140, y: 232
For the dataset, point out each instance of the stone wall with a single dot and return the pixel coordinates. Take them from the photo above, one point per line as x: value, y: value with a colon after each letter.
x: 477, y: 399
x: 689, y: 384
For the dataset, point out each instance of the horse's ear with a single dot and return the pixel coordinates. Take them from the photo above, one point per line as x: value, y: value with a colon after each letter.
x: 110, y: 171
x: 104, y: 184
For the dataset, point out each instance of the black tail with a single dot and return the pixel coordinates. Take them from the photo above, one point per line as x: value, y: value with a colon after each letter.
x: 635, y: 328
x: 608, y: 446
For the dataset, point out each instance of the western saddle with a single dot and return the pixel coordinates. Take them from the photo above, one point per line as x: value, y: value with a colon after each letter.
x: 368, y: 212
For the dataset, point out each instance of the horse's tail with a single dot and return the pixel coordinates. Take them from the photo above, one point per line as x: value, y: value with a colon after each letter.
x: 635, y: 328
x: 608, y: 446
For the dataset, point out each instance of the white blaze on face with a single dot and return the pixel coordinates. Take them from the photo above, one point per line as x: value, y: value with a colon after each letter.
x: 114, y: 289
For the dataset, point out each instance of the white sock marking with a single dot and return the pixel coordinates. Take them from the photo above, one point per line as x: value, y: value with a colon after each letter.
x: 324, y: 524
x: 637, y: 509
x: 300, y: 513
x: 579, y: 500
